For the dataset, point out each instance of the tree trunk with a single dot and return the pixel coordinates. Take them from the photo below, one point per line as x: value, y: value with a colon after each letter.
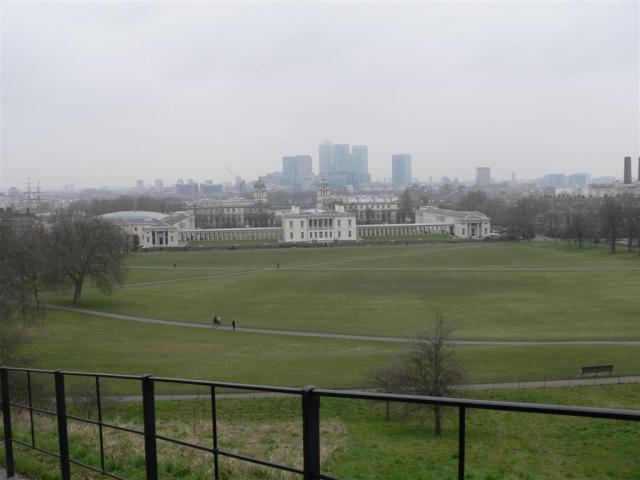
x: 77, y: 293
x: 386, y: 411
x: 437, y: 418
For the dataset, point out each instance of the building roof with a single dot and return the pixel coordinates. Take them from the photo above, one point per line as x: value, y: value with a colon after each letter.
x: 134, y: 217
x: 456, y: 214
x: 367, y: 199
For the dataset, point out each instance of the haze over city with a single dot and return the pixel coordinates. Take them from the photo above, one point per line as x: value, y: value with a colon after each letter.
x: 102, y: 94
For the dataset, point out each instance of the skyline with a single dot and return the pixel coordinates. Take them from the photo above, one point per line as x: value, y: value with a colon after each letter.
x: 104, y: 94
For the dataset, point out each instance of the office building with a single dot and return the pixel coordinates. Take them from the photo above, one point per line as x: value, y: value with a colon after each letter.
x: 401, y: 169
x: 360, y: 163
x: 627, y: 170
x: 325, y: 157
x: 297, y: 168
x: 483, y: 176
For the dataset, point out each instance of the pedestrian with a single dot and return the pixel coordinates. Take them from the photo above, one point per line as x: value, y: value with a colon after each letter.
x: 277, y: 265
x: 215, y: 320
x: 233, y: 325
x: 175, y: 265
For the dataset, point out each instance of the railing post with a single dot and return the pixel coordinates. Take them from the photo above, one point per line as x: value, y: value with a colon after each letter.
x: 149, y: 413
x: 6, y: 417
x: 63, y: 437
x: 310, y: 434
x: 461, y: 442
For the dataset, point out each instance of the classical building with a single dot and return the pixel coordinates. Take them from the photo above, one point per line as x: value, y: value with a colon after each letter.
x: 152, y: 229
x: 318, y: 226
x: 371, y: 209
x: 235, y: 212
x: 459, y: 224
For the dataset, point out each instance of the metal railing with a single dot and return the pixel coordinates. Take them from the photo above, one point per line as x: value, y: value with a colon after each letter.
x: 310, y: 399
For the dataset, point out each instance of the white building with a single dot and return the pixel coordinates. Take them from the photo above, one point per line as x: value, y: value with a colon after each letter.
x: 152, y: 229
x: 318, y: 226
x: 459, y: 224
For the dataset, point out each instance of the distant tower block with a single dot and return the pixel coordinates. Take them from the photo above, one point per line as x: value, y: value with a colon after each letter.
x: 260, y: 191
x: 323, y: 194
x: 627, y: 170
x: 639, y: 169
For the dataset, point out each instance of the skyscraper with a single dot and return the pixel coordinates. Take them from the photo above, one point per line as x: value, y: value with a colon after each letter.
x: 483, y: 176
x: 401, y: 169
x: 296, y: 168
x: 360, y: 163
x: 325, y: 158
x: 341, y: 158
x: 627, y: 170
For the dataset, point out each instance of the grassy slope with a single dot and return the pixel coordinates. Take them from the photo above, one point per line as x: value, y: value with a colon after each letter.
x: 80, y: 342
x: 484, y: 304
x: 500, y: 446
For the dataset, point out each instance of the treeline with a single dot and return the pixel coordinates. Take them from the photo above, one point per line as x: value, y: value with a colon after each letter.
x: 577, y: 219
x: 99, y: 206
x: 70, y: 249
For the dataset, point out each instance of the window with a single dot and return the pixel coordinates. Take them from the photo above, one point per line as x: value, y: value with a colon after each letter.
x: 291, y: 224
x: 349, y: 222
x: 349, y: 233
x: 339, y: 233
x: 338, y: 222
x: 463, y: 231
x: 330, y: 234
x: 320, y: 234
x: 291, y: 235
x: 301, y: 234
x: 302, y: 223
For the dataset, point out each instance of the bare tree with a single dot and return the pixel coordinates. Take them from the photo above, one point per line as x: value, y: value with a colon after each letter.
x: 579, y: 224
x: 631, y: 217
x: 389, y: 378
x: 431, y: 366
x: 611, y: 213
x: 84, y: 246
x: 21, y: 266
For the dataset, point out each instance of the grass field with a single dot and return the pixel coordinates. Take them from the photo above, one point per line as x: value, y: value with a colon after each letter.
x: 75, y: 341
x: 357, y: 443
x: 489, y: 290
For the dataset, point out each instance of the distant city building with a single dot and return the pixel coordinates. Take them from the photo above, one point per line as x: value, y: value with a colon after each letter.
x: 190, y: 188
x: 401, y: 169
x: 139, y: 186
x: 360, y: 163
x: 158, y: 185
x: 325, y: 156
x: 483, y: 176
x: 296, y: 169
x: 627, y: 171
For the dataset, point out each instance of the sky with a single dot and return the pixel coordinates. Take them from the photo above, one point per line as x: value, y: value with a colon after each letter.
x: 105, y: 93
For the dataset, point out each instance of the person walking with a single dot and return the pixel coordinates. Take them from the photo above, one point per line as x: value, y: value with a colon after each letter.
x: 233, y: 325
x: 215, y: 321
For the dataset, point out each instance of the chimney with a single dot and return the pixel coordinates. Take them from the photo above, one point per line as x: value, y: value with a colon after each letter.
x: 627, y: 170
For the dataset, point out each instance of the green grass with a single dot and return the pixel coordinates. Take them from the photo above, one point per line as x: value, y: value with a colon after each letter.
x: 74, y: 341
x: 331, y: 290
x: 359, y: 444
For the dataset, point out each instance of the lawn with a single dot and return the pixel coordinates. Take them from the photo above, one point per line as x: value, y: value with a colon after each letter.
x: 74, y: 341
x: 489, y: 290
x: 357, y: 443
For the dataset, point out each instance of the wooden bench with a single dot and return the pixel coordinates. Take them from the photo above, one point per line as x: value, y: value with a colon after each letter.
x: 597, y: 369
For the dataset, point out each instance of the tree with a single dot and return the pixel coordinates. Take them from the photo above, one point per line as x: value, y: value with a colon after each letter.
x: 406, y: 209
x: 579, y: 224
x: 521, y: 219
x: 21, y: 266
x: 84, y: 246
x: 388, y: 378
x: 431, y: 366
x: 611, y: 214
x: 631, y: 217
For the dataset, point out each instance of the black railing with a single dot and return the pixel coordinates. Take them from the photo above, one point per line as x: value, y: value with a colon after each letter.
x: 310, y: 398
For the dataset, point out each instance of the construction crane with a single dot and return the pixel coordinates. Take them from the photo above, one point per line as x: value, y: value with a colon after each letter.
x: 237, y: 178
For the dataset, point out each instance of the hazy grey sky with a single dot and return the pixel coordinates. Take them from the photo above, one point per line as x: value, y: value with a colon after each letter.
x: 106, y: 93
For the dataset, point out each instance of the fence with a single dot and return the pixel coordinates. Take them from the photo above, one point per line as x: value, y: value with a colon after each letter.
x: 310, y: 398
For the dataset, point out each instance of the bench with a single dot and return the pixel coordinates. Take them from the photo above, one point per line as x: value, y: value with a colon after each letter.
x: 597, y: 369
